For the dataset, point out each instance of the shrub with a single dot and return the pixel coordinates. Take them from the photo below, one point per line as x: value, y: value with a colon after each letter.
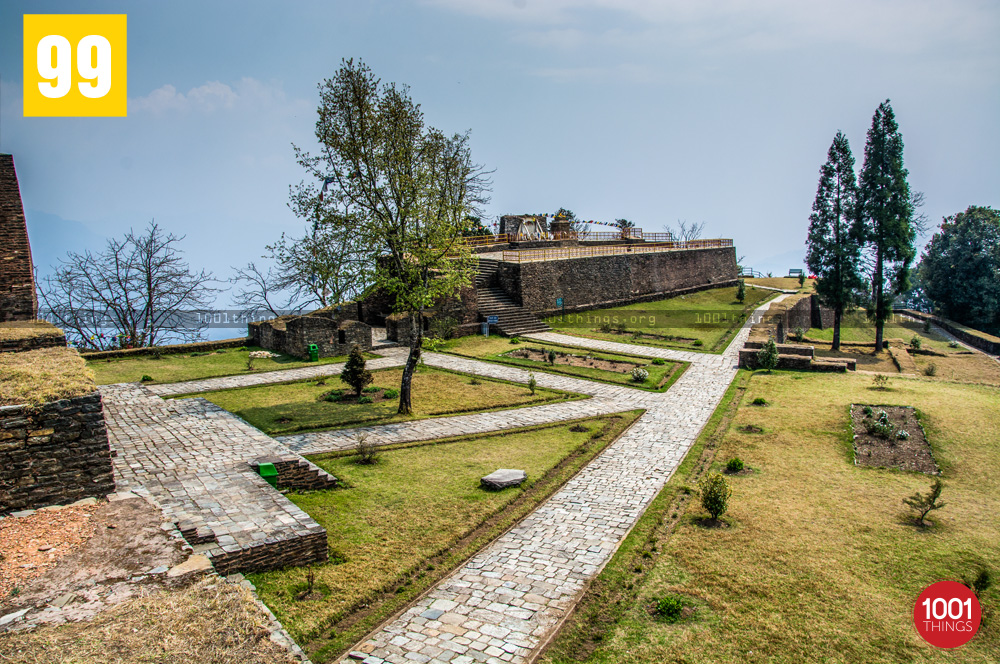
x: 930, y: 369
x: 620, y: 328
x: 903, y: 434
x: 759, y: 401
x: 741, y: 291
x: 715, y: 493
x: 390, y: 394
x: 926, y: 503
x: 366, y: 451
x: 333, y: 397
x: 515, y: 340
x: 767, y: 357
x: 365, y: 399
x: 443, y: 327
x: 605, y: 327
x: 802, y: 279
x: 915, y: 342
x: 880, y: 382
x: 354, y: 373
x: 734, y: 465
x: 475, y: 381
x: 698, y: 342
x: 146, y: 378
x: 639, y: 375
x: 658, y: 362
x: 669, y: 608
x: 532, y: 384
x: 433, y: 344
x: 799, y: 334
x: 551, y: 357
x: 953, y: 344
x: 927, y: 326
x: 867, y: 410
x: 371, y: 389
x: 880, y: 426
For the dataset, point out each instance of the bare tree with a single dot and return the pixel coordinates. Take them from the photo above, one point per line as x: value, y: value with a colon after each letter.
x: 259, y: 292
x: 138, y: 291
x: 685, y: 232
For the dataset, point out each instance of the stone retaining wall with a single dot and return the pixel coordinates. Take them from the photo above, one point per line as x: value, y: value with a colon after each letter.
x: 54, y: 453
x: 975, y: 338
x: 334, y: 331
x: 195, y: 347
x: 602, y: 281
x: 272, y: 554
x: 298, y: 474
x: 34, y: 342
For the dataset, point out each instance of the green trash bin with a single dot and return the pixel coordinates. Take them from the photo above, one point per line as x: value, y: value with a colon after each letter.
x: 269, y: 473
x: 313, y: 353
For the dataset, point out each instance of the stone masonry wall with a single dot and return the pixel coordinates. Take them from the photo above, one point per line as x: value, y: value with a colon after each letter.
x: 35, y: 342
x: 54, y: 453
x: 17, y: 283
x: 586, y: 283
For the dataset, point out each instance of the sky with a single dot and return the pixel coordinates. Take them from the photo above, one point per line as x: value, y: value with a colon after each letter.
x: 715, y: 111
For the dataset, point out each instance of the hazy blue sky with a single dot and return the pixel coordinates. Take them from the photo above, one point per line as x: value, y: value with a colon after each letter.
x: 714, y: 111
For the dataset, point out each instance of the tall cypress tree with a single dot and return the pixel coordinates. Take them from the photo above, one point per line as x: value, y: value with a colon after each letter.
x: 885, y: 223
x: 834, y: 250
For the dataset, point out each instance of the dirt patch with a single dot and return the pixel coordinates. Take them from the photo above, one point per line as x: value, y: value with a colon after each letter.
x: 569, y: 359
x: 891, y: 437
x: 124, y: 552
x: 750, y: 428
x: 709, y: 522
x: 31, y: 545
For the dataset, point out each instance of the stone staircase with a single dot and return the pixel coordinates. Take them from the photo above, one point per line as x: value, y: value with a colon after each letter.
x: 494, y: 301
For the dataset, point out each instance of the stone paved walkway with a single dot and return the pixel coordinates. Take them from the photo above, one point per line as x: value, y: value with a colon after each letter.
x: 500, y: 605
x: 192, y: 458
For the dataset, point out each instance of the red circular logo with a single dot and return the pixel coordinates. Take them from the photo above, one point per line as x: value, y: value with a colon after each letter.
x: 947, y: 614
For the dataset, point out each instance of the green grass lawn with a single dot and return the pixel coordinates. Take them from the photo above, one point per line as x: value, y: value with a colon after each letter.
x: 403, y: 523
x: 702, y: 321
x: 174, y: 368
x: 290, y: 407
x: 856, y: 328
x: 821, y: 561
x: 498, y: 349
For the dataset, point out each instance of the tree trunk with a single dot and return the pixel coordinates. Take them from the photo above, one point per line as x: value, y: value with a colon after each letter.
x: 837, y: 315
x: 416, y: 340
x: 879, y: 317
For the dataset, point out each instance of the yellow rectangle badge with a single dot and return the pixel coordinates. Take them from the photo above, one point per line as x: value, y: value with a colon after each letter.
x: 75, y: 65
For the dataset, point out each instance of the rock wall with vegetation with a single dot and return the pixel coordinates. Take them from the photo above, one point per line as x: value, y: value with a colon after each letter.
x: 23, y: 336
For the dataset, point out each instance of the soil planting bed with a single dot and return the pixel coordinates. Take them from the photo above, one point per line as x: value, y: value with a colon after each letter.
x: 885, y: 448
x: 538, y: 355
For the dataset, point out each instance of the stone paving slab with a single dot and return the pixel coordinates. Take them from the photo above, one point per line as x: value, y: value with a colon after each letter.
x: 501, y: 604
x: 193, y: 458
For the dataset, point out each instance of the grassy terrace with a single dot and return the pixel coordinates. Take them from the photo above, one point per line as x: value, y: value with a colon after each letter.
x: 290, y: 407
x: 405, y: 522
x: 702, y: 321
x: 821, y: 561
x: 949, y: 363
x: 47, y: 374
x: 179, y: 367
x: 499, y: 350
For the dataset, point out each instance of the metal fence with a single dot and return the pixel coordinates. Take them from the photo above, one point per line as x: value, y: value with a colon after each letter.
x: 560, y: 253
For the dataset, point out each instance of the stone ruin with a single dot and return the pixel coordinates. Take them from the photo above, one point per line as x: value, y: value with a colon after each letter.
x: 17, y: 282
x: 335, y: 330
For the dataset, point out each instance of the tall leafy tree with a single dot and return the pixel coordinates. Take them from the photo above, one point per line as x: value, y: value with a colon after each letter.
x: 960, y: 268
x: 402, y: 187
x: 834, y: 252
x: 885, y: 223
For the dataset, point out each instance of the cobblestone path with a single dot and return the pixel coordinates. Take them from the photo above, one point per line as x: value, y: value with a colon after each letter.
x: 500, y: 605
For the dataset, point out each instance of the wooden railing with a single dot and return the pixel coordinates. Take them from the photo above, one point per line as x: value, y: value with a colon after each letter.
x: 560, y: 253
